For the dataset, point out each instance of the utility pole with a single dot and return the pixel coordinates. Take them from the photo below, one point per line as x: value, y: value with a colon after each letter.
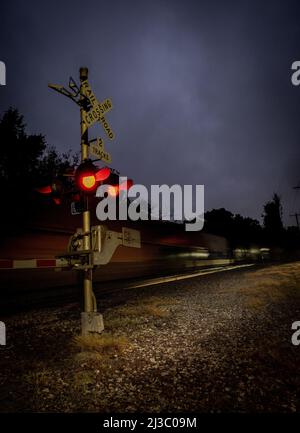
x: 296, y: 214
x: 91, y: 321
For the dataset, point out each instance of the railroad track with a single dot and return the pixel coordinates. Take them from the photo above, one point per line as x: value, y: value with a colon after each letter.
x: 29, y: 299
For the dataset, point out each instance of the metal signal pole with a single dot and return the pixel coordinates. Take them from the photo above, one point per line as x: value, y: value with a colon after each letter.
x: 91, y: 320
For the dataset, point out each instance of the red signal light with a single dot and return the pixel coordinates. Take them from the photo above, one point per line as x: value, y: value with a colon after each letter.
x: 88, y: 176
x: 126, y: 185
x: 57, y: 200
x: 113, y: 190
x: 44, y: 189
x: 76, y: 197
x: 102, y: 174
x: 87, y: 182
x: 85, y: 177
x: 55, y: 190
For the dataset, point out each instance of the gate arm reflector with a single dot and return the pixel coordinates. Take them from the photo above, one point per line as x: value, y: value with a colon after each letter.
x: 33, y: 263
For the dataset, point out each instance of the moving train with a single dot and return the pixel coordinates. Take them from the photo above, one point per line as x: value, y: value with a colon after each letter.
x: 166, y: 249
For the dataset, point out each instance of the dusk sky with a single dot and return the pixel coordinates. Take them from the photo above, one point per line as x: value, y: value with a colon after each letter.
x: 201, y: 90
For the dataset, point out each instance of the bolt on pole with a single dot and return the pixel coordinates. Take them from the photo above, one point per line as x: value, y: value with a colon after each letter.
x: 91, y: 321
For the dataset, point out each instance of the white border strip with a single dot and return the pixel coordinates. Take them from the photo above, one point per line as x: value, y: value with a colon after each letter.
x: 184, y: 277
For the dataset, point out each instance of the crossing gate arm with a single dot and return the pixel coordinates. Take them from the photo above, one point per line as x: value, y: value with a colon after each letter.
x: 57, y: 263
x: 104, y: 243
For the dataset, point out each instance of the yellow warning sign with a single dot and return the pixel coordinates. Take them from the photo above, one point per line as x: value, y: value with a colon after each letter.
x: 96, y: 113
x: 96, y: 148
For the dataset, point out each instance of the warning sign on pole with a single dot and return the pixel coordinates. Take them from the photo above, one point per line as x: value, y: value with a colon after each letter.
x: 97, y: 149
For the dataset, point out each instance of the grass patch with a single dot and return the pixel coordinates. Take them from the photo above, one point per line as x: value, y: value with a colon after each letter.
x: 104, y: 344
x: 38, y: 379
x: 154, y: 306
x: 272, y: 284
x: 115, y: 322
x: 254, y: 302
x: 134, y: 313
x: 143, y: 310
x: 83, y: 378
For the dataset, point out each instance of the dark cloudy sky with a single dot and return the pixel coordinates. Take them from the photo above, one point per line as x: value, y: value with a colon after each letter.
x: 201, y: 89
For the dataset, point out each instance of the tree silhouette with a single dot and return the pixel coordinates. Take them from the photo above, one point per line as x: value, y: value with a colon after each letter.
x: 219, y: 222
x: 240, y: 231
x: 273, y: 216
x: 26, y: 162
x: 19, y: 153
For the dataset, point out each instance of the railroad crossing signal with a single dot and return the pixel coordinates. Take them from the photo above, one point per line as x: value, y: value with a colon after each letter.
x: 87, y: 178
x: 93, y: 111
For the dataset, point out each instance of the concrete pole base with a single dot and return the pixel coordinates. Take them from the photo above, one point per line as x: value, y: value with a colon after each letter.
x: 91, y: 322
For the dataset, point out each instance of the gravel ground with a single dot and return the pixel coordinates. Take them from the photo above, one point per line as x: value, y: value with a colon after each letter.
x: 218, y: 343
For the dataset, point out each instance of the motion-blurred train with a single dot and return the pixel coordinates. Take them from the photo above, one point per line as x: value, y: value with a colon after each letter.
x: 166, y: 249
